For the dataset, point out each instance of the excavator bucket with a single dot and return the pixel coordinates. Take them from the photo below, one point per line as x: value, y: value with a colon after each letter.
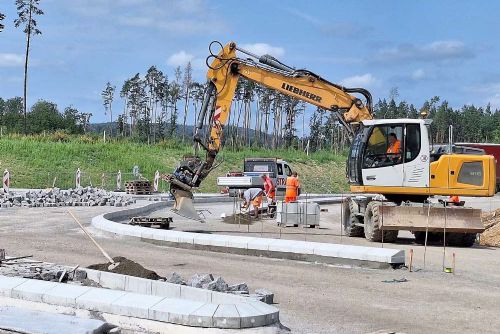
x: 184, y: 204
x: 437, y: 219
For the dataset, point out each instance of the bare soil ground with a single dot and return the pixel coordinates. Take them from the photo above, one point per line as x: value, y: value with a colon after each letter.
x: 312, y: 298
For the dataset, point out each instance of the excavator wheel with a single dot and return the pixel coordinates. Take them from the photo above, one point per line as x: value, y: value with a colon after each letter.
x: 461, y: 239
x: 349, y: 219
x: 373, y: 221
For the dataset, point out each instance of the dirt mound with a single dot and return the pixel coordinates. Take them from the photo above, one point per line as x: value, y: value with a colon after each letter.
x: 491, y: 222
x: 126, y: 267
x: 239, y: 218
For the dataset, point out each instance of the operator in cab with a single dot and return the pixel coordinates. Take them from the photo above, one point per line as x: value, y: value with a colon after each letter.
x: 394, y: 149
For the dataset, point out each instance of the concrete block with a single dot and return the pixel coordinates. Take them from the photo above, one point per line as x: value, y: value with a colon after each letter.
x: 97, y: 299
x: 64, y: 294
x: 186, y: 237
x: 94, y: 275
x: 202, y: 317
x: 324, y: 249
x: 174, y: 310
x: 196, y: 294
x: 239, y: 242
x: 291, y: 246
x: 9, y: 283
x: 226, y: 298
x: 271, y: 312
x: 32, y: 290
x: 112, y: 281
x: 134, y: 305
x: 260, y: 244
x: 226, y: 316
x: 138, y: 285
x: 250, y: 316
x: 165, y: 289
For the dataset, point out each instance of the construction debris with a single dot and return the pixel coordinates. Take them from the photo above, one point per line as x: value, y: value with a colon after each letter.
x: 491, y: 235
x: 159, y: 222
x: 54, y: 197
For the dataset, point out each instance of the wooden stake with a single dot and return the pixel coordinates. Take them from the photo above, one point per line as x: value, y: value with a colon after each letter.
x: 411, y: 260
x: 106, y: 255
x: 453, y: 264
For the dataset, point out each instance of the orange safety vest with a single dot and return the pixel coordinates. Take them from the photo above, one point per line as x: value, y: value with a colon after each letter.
x: 292, y: 186
x: 394, y: 148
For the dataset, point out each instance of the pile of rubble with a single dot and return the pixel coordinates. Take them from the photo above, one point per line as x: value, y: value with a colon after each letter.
x: 209, y: 282
x: 46, y: 272
x: 491, y: 235
x: 83, y: 196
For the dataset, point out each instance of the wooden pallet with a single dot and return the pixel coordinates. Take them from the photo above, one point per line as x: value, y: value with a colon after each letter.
x: 159, y: 222
x: 138, y: 187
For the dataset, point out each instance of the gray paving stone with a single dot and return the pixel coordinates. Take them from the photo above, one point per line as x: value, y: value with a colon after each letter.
x: 138, y: 285
x: 97, y: 299
x: 174, y: 310
x: 292, y: 246
x: 9, y: 283
x: 165, y: 289
x: 226, y: 316
x: 197, y: 294
x: 112, y: 281
x: 32, y: 290
x: 134, y: 305
x: 250, y: 316
x: 271, y: 312
x: 202, y: 317
x: 64, y: 294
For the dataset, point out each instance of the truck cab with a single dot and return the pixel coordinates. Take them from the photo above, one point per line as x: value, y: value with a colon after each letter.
x: 277, y: 169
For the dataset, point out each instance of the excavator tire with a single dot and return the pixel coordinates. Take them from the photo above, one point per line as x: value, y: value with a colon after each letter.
x: 349, y: 219
x: 461, y: 239
x: 372, y: 225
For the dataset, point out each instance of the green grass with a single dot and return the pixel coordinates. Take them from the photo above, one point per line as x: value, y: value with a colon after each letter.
x: 35, y: 161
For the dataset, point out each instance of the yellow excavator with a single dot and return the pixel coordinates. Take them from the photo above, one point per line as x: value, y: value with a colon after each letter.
x: 391, y: 171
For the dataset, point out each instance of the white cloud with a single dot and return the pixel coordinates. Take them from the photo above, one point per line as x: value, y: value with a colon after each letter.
x: 435, y: 51
x: 418, y: 74
x: 180, y: 58
x: 363, y: 80
x: 263, y: 48
x: 11, y: 60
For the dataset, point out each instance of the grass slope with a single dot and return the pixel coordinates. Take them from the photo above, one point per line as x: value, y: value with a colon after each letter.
x: 34, y: 162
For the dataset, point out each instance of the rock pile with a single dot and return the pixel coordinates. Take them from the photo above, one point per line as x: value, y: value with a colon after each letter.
x: 83, y: 196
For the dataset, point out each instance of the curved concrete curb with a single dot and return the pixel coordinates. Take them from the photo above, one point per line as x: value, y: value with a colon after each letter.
x: 159, y: 305
x: 371, y: 257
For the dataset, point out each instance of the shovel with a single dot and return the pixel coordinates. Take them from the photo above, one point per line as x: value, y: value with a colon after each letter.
x: 113, y: 264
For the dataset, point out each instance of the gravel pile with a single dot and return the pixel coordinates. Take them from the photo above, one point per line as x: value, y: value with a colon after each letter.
x: 491, y: 235
x: 83, y: 196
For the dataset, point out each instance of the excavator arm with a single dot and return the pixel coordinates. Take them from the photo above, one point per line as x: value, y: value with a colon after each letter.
x: 225, y: 69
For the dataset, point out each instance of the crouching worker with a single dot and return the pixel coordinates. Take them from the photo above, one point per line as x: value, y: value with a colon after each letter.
x: 253, y: 197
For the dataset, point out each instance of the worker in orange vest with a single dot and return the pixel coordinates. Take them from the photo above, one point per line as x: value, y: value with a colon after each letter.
x: 454, y: 199
x: 292, y: 188
x: 269, y: 188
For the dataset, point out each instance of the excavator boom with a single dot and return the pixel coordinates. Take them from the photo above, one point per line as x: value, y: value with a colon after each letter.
x: 225, y: 69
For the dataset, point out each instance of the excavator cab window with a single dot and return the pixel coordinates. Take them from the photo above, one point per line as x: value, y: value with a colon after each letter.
x: 385, y: 146
x: 412, y: 142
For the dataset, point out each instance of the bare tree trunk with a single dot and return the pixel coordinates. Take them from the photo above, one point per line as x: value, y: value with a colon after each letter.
x: 25, y: 93
x: 186, y: 103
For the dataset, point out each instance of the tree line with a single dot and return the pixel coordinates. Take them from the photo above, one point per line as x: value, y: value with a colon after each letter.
x: 43, y: 116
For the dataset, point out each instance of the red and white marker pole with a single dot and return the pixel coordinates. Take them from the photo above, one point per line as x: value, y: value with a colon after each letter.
x: 6, y: 181
x: 78, y: 178
x: 156, y: 180
x: 119, y: 180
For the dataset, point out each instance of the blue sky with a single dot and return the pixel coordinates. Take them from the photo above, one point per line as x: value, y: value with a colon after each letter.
x: 424, y: 48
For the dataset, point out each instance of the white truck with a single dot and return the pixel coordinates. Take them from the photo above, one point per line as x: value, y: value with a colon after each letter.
x: 277, y: 169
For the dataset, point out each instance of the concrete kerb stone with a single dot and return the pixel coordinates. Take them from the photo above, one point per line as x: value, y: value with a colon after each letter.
x: 307, y: 251
x: 154, y: 306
